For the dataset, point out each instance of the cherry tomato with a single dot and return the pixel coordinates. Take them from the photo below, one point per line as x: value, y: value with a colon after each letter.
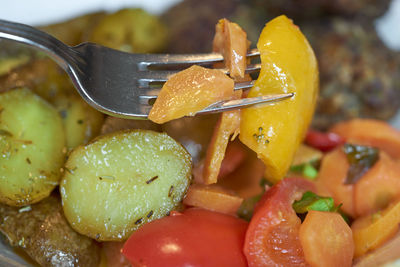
x: 323, y: 141
x: 272, y: 238
x: 195, y: 237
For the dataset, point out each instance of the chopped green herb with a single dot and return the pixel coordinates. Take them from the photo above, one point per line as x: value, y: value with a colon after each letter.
x: 151, y: 179
x: 361, y: 159
x: 311, y: 201
x: 307, y: 170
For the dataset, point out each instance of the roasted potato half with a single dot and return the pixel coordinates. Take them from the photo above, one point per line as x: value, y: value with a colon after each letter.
x: 31, y: 147
x: 123, y: 180
x: 81, y: 121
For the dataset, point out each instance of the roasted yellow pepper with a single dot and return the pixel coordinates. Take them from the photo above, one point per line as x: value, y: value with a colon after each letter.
x: 275, y: 131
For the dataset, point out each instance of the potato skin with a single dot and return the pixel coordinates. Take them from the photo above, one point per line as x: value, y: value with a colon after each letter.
x: 121, y: 180
x: 42, y: 231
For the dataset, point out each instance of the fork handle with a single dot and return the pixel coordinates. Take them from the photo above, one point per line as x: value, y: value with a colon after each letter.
x: 38, y: 39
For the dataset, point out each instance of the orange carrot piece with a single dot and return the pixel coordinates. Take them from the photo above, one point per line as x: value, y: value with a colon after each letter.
x: 235, y: 155
x: 189, y: 91
x: 371, y: 231
x: 384, y: 254
x: 326, y: 239
x: 231, y: 41
x: 331, y: 178
x: 212, y: 197
x: 378, y: 187
x: 372, y: 133
x: 227, y: 125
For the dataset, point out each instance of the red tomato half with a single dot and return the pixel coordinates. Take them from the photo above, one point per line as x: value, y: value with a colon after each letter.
x: 195, y: 237
x: 323, y: 141
x: 272, y: 238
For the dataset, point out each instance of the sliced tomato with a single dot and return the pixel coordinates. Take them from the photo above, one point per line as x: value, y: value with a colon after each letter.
x: 323, y: 141
x: 195, y: 237
x: 272, y: 238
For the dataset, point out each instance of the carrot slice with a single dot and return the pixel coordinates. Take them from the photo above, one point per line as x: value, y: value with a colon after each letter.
x: 378, y: 187
x: 386, y: 253
x: 212, y: 197
x: 326, y: 239
x: 371, y: 231
x: 231, y: 41
x: 189, y: 91
x: 331, y: 178
x: 371, y: 133
x: 227, y: 125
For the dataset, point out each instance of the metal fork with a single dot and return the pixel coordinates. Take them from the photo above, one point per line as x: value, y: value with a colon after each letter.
x: 118, y: 83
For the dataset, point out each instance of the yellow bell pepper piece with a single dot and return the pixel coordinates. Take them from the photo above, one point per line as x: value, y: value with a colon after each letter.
x: 288, y: 64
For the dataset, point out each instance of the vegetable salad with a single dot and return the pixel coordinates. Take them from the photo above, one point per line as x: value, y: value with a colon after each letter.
x: 79, y: 189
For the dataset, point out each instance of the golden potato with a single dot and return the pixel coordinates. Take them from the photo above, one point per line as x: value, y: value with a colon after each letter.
x: 31, y: 147
x: 81, y: 121
x: 123, y: 180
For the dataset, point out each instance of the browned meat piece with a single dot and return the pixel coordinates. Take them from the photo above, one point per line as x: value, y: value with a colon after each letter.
x: 191, y: 24
x: 42, y: 231
x: 359, y: 76
x: 306, y: 9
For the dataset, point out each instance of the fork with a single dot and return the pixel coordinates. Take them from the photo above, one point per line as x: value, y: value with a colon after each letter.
x: 122, y: 84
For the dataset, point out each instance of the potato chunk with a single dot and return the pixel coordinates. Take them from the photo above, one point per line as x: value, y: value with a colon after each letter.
x: 122, y: 180
x: 31, y: 148
x: 42, y: 231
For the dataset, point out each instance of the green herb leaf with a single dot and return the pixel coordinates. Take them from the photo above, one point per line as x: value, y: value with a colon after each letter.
x: 361, y: 159
x: 307, y: 170
x: 311, y: 201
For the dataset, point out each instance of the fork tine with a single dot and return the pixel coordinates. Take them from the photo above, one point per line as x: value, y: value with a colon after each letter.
x: 161, y: 76
x: 152, y: 93
x: 228, y: 105
x: 162, y: 60
x: 243, y: 103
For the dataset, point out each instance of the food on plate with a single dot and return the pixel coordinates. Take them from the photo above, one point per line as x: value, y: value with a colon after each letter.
x: 42, y: 231
x: 227, y: 126
x: 364, y: 132
x: 191, y: 24
x: 130, y: 30
x: 189, y: 91
x: 332, y: 201
x: 32, y: 148
x: 123, y: 180
x: 231, y: 41
x: 76, y: 30
x: 306, y: 9
x: 373, y: 230
x: 288, y: 65
x: 347, y: 47
x: 81, y: 122
x: 195, y: 237
x: 352, y: 85
x: 213, y: 197
x: 326, y: 239
x: 273, y: 221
